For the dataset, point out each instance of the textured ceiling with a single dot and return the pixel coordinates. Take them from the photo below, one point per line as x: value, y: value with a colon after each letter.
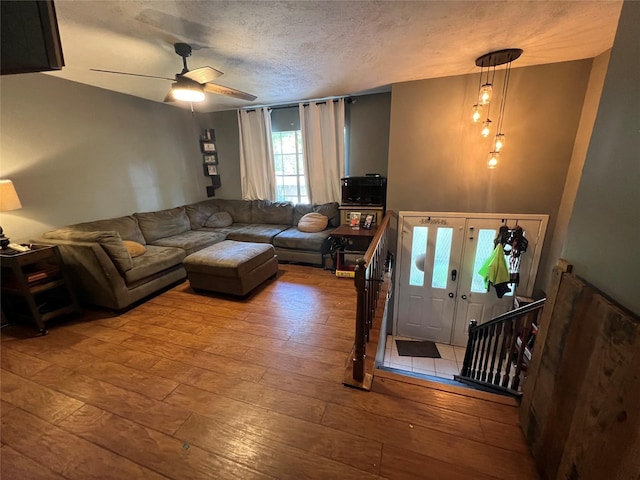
x: 288, y: 51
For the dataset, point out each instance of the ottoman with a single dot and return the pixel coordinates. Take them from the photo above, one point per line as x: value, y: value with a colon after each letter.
x: 231, y: 267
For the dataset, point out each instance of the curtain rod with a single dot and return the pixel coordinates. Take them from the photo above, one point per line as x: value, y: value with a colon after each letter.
x: 305, y: 103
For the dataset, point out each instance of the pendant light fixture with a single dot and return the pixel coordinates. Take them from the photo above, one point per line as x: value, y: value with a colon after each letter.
x: 486, y: 86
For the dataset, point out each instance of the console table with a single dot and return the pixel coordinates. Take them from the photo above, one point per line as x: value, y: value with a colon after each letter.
x: 35, y: 286
x: 355, y: 244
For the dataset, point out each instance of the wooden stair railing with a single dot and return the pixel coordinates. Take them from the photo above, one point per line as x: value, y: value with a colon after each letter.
x: 499, y: 351
x: 368, y: 280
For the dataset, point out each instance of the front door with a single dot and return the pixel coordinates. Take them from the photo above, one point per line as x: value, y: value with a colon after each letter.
x: 438, y: 288
x: 431, y: 248
x: 474, y: 301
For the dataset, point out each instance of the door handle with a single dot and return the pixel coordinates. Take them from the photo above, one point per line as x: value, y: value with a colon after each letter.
x: 450, y: 295
x: 454, y: 274
x: 464, y: 297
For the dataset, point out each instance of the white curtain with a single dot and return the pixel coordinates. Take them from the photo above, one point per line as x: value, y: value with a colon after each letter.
x: 322, y: 125
x: 256, y: 155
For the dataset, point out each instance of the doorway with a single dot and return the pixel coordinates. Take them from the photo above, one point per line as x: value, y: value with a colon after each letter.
x: 438, y: 286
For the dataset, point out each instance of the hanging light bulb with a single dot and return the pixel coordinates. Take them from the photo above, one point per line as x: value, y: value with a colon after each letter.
x: 486, y: 128
x: 499, y: 142
x: 494, y: 157
x: 486, y: 91
x: 476, y: 113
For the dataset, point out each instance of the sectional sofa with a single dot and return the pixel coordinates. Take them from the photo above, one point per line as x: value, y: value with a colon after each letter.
x: 116, y: 262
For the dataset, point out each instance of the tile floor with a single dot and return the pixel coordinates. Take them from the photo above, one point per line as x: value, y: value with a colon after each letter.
x: 445, y: 367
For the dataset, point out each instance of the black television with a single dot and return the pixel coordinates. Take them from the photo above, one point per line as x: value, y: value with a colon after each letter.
x: 30, y: 40
x: 369, y: 190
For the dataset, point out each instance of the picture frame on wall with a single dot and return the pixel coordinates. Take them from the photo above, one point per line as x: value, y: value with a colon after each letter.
x: 208, y: 134
x: 211, y: 158
x: 210, y: 169
x: 207, y: 146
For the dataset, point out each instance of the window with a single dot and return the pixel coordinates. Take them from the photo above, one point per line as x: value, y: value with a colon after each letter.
x: 418, y: 255
x: 288, y: 159
x: 484, y: 249
x: 441, y: 258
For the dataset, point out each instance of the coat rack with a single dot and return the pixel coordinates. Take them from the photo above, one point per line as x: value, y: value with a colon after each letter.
x: 515, y: 244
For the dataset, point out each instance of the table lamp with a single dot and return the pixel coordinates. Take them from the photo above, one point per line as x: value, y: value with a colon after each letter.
x: 8, y: 201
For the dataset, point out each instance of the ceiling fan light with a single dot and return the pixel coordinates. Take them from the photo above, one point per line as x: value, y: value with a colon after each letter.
x: 187, y: 93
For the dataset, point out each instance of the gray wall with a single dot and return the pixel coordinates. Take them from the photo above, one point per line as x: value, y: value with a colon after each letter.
x: 437, y: 158
x: 585, y: 128
x: 78, y: 153
x: 228, y: 145
x: 368, y: 130
x: 602, y: 239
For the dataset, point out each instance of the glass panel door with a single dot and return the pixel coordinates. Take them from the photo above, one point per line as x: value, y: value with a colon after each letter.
x: 431, y: 250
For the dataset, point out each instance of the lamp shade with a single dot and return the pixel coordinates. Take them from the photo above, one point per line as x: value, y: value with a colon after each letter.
x: 8, y: 196
x: 188, y: 91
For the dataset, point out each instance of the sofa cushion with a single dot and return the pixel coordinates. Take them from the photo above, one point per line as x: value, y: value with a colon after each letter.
x: 293, y: 238
x: 110, y: 241
x: 240, y: 210
x: 191, y: 241
x: 135, y: 249
x: 234, y: 227
x: 163, y: 223
x: 154, y: 262
x: 313, y: 222
x: 257, y: 233
x: 266, y: 211
x: 330, y: 210
x: 199, y: 212
x: 219, y: 220
x: 127, y: 227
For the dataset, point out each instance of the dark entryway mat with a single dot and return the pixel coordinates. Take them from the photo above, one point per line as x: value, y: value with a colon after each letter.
x: 412, y: 348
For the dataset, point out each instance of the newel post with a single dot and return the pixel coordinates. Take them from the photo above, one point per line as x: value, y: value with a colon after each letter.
x: 360, y: 347
x: 356, y: 376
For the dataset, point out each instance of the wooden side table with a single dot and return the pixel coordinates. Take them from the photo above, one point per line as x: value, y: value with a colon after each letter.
x: 356, y: 242
x: 35, y: 286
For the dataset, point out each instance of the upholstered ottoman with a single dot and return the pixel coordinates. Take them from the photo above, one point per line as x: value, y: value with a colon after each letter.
x: 231, y: 267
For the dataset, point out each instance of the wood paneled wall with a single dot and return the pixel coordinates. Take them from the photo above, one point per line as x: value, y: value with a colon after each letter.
x: 581, y: 406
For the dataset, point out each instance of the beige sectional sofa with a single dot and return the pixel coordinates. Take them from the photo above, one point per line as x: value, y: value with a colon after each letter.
x: 104, y: 272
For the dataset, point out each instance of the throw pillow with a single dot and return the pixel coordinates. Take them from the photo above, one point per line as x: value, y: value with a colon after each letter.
x: 218, y: 220
x: 135, y: 249
x: 313, y: 222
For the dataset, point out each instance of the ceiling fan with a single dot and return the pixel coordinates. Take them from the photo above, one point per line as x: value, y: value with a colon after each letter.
x: 191, y: 85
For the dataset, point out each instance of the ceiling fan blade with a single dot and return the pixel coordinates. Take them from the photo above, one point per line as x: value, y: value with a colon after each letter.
x: 203, y: 74
x: 230, y: 92
x: 131, y: 74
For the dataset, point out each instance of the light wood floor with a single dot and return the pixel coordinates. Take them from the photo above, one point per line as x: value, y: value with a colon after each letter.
x: 187, y: 386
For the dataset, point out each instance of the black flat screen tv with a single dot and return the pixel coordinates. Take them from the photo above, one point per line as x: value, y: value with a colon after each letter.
x: 370, y: 190
x: 30, y: 40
